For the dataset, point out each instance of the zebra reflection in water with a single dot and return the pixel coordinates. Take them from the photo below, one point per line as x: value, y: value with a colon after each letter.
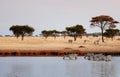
x: 102, y: 69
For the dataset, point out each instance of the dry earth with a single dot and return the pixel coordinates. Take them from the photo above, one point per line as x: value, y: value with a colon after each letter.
x: 60, y: 44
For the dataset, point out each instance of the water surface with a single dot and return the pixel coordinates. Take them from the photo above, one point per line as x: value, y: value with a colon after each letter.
x: 57, y: 67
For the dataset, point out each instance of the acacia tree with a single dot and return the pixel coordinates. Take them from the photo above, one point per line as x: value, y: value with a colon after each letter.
x: 103, y: 22
x: 110, y: 33
x: 47, y: 33
x: 75, y: 31
x: 21, y: 30
x: 15, y: 30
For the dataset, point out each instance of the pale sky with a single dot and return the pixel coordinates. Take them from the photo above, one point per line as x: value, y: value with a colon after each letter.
x: 55, y: 14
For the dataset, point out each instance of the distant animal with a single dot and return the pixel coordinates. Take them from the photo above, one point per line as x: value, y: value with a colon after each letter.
x: 118, y: 39
x: 97, y: 57
x: 108, y: 58
x: 70, y: 40
x: 70, y: 56
x: 96, y: 42
x: 85, y: 41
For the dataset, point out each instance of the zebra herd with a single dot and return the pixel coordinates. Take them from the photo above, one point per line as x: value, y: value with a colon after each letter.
x: 97, y: 57
x: 89, y: 56
x: 96, y: 42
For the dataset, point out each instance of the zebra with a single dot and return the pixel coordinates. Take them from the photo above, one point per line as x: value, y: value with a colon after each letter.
x: 85, y: 41
x: 97, y: 57
x: 96, y: 42
x: 70, y: 56
x: 70, y: 40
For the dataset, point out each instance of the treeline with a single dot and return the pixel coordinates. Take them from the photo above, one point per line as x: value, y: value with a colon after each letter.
x: 106, y: 23
x: 74, y: 31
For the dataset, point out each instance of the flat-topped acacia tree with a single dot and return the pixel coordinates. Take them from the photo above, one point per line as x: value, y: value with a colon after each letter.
x: 21, y: 30
x: 103, y: 22
x: 76, y: 31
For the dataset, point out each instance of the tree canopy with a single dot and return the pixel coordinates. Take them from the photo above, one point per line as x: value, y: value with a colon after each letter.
x: 110, y: 33
x: 47, y: 33
x: 103, y: 22
x: 75, y: 31
x: 21, y: 30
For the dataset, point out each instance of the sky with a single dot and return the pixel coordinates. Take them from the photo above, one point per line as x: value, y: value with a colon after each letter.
x: 55, y: 14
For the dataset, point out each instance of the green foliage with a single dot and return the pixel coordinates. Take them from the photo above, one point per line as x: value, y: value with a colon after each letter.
x: 103, y: 22
x: 110, y: 33
x: 21, y: 30
x: 77, y: 30
x: 47, y: 33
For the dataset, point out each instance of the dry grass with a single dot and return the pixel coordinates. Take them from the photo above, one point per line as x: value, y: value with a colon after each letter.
x: 61, y: 44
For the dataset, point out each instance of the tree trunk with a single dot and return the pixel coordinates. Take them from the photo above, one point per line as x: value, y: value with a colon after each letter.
x: 64, y: 36
x: 46, y: 37
x: 80, y: 36
x: 22, y: 37
x: 102, y: 35
x: 75, y: 37
x: 112, y: 38
x: 54, y: 37
x: 17, y: 37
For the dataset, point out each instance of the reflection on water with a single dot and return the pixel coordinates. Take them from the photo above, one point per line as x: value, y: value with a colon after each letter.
x: 77, y: 68
x: 57, y: 67
x: 102, y: 69
x: 20, y: 71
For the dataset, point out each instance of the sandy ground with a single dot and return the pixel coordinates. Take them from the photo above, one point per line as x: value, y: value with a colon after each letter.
x: 40, y: 44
